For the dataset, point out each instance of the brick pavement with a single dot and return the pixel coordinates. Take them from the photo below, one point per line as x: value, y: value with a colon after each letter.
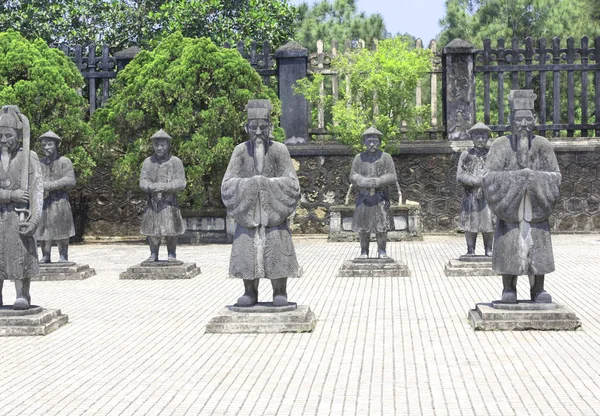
x: 381, y: 345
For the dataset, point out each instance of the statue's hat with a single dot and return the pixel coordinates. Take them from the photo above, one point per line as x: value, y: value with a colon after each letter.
x: 521, y: 99
x: 479, y: 127
x: 372, y: 131
x: 259, y: 109
x: 50, y: 135
x: 9, y: 117
x: 161, y: 134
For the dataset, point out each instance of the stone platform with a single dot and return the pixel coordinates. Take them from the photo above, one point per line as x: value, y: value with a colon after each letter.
x: 373, y: 267
x: 64, y: 271
x: 470, y: 266
x: 522, y: 316
x: 262, y: 318
x: 161, y: 270
x: 34, y: 321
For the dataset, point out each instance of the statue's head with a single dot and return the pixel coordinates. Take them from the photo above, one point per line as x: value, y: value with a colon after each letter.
x: 480, y: 134
x: 259, y: 125
x: 372, y: 139
x: 161, y: 143
x: 522, y: 118
x: 11, y: 128
x: 50, y: 142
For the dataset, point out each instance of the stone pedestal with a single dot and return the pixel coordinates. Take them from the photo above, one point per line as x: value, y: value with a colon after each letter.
x: 373, y: 267
x: 34, y: 321
x: 161, y: 270
x: 521, y: 316
x: 470, y: 266
x: 64, y: 271
x: 263, y: 318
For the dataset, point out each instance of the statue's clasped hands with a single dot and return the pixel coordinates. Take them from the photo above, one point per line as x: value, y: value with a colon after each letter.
x: 19, y: 196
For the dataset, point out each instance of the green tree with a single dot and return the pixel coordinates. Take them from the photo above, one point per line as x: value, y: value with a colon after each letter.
x: 43, y: 82
x: 194, y: 90
x: 339, y: 21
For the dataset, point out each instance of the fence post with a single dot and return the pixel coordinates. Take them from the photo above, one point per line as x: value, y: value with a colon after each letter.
x: 292, y: 62
x: 458, y: 61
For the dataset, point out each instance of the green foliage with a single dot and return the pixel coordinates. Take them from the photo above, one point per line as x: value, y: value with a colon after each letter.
x: 339, y: 21
x: 43, y: 82
x: 123, y: 23
x: 382, y: 92
x: 196, y: 92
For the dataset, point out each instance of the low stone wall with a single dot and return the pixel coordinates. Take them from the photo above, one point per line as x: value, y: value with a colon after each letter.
x: 426, y: 173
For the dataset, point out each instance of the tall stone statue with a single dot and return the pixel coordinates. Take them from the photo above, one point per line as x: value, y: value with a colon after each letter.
x: 56, y: 223
x: 21, y: 196
x: 475, y: 215
x: 373, y: 171
x: 521, y: 185
x: 260, y: 190
x: 161, y: 178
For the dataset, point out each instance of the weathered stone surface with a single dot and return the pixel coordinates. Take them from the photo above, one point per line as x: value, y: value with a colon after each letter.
x: 460, y: 267
x: 524, y: 316
x: 64, y: 271
x: 161, y: 270
x: 373, y: 267
x: 261, y: 318
x: 33, y: 321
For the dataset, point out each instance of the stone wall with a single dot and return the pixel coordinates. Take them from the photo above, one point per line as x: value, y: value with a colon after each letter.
x: 426, y: 173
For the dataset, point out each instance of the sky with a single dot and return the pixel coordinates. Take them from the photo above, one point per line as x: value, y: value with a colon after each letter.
x: 418, y: 17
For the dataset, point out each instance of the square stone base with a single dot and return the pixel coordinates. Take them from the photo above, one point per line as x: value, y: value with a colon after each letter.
x: 161, y: 270
x: 262, y: 318
x: 34, y: 321
x: 373, y: 267
x: 522, y: 316
x: 470, y: 266
x: 64, y: 271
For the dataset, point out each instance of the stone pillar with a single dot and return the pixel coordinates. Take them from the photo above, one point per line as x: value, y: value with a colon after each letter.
x: 458, y: 59
x: 292, y: 61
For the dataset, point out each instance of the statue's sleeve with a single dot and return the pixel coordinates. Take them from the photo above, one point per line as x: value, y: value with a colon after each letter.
x: 503, y: 190
x: 389, y: 177
x: 5, y: 196
x: 544, y: 186
x: 462, y: 176
x: 177, y: 182
x: 36, y: 188
x: 145, y: 181
x: 240, y: 194
x: 356, y: 179
x: 279, y: 195
x: 66, y: 181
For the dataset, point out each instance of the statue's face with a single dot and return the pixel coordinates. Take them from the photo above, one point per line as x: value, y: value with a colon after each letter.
x: 258, y: 128
x: 49, y: 147
x: 480, y: 139
x: 160, y: 147
x: 9, y: 139
x: 522, y: 121
x: 372, y: 143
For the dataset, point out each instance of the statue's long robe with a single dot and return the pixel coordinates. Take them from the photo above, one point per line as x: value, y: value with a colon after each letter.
x: 475, y: 214
x: 162, y: 216
x: 57, y: 218
x: 260, y: 203
x: 372, y: 212
x: 522, y: 243
x: 18, y: 254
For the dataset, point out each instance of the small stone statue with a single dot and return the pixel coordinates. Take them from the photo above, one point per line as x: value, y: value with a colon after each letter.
x: 21, y: 196
x: 373, y: 171
x: 162, y: 177
x: 521, y: 185
x: 260, y: 190
x: 475, y: 215
x: 56, y: 223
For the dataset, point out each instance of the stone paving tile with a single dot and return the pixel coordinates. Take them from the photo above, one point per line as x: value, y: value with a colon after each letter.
x: 381, y: 345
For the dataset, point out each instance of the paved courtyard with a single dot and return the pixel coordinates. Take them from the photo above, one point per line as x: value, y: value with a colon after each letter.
x: 390, y: 346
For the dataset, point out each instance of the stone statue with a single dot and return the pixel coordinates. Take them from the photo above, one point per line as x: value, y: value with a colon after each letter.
x: 475, y: 215
x: 56, y: 223
x: 260, y: 190
x: 521, y: 185
x: 21, y: 196
x: 162, y: 177
x: 373, y: 171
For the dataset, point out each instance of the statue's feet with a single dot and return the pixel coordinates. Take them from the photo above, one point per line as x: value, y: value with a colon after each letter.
x: 542, y: 297
x: 45, y: 259
x: 509, y: 296
x: 153, y: 257
x: 363, y: 256
x: 470, y: 254
x: 247, y: 300
x: 63, y: 259
x: 21, y: 304
x: 382, y: 255
x: 172, y: 259
x: 280, y: 300
x: 488, y: 253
